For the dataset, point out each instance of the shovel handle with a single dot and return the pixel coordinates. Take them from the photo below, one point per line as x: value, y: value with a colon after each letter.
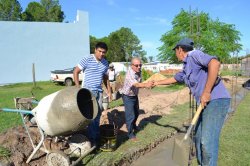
x: 197, y: 114
x: 194, y: 120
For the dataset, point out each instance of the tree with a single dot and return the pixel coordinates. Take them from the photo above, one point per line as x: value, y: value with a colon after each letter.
x: 124, y: 45
x: 34, y: 12
x: 10, y: 10
x: 53, y: 10
x: 115, y: 49
x: 212, y: 36
x: 93, y: 40
x: 46, y: 10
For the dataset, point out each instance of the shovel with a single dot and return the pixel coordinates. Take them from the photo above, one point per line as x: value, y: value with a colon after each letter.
x: 181, y: 148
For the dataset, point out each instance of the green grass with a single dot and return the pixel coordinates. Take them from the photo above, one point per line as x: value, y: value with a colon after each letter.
x: 4, y: 152
x: 9, y: 92
x: 230, y: 73
x: 234, y: 141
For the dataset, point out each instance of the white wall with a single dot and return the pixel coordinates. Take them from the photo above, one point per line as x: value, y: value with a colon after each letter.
x: 157, y: 67
x: 49, y: 45
x: 120, y: 66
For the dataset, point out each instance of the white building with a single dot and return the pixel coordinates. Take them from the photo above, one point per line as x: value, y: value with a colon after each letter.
x: 50, y: 45
x: 121, y: 66
x: 158, y: 66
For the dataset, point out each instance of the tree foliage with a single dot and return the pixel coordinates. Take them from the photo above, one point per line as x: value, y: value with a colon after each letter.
x: 211, y: 36
x: 123, y: 44
x: 46, y: 10
x: 10, y: 10
x: 34, y: 12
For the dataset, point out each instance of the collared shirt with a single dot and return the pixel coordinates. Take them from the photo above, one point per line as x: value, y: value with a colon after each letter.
x: 131, y: 78
x: 93, y: 72
x: 195, y: 73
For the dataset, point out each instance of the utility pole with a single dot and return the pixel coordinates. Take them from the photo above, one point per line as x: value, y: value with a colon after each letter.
x: 34, y: 75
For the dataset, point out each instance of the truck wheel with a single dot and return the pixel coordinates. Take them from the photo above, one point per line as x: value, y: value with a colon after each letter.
x: 68, y: 82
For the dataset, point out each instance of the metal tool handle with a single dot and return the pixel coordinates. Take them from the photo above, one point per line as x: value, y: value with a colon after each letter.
x: 194, y: 120
x: 16, y: 110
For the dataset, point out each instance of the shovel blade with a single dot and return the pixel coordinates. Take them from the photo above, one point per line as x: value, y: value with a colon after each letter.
x: 180, y: 153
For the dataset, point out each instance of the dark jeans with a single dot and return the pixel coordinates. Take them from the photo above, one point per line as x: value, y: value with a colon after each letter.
x: 208, y: 130
x: 131, y: 104
x: 93, y: 128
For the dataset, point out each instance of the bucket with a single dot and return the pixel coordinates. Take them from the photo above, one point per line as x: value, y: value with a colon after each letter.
x: 108, y: 137
x: 66, y: 111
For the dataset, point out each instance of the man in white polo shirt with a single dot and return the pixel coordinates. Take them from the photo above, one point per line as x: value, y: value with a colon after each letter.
x: 95, y: 69
x: 112, y: 77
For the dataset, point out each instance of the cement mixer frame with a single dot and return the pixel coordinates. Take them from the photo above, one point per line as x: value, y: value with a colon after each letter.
x: 53, y: 157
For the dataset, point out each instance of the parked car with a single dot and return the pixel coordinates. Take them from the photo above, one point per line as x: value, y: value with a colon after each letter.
x: 64, y: 76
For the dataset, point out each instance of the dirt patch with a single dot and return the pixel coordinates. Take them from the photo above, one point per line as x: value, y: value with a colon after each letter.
x: 152, y: 105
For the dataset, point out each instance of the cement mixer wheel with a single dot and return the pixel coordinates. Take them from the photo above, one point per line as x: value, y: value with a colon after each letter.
x: 57, y: 158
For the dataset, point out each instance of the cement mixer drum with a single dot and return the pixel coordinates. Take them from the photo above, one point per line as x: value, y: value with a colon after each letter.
x: 66, y: 111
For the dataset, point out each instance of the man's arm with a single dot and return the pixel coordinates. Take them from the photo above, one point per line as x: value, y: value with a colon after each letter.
x: 166, y: 81
x: 213, y: 70
x: 76, y: 72
x: 144, y: 85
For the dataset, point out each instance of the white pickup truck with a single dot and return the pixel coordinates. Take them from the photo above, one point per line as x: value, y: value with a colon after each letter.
x: 64, y: 76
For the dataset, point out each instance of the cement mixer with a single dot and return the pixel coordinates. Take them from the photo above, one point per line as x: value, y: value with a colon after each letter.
x: 66, y: 111
x: 61, y: 115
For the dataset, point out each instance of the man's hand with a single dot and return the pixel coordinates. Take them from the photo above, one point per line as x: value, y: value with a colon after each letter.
x: 155, y: 83
x: 205, y: 98
x: 149, y: 84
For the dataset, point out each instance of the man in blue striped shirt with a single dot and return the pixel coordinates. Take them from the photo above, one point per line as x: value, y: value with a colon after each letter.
x: 94, y: 69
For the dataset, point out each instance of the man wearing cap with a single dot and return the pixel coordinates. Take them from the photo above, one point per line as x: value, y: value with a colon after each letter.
x: 200, y: 74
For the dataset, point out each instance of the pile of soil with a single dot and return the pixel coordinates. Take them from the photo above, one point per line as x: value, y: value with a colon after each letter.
x: 156, y: 77
x: 169, y: 71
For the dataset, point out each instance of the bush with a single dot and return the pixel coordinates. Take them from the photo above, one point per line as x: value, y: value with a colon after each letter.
x: 146, y: 74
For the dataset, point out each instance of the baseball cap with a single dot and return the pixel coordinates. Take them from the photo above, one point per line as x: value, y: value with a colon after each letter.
x: 185, y: 42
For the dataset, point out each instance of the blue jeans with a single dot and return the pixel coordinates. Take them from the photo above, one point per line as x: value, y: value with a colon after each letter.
x: 93, y: 128
x: 207, y: 131
x: 131, y: 104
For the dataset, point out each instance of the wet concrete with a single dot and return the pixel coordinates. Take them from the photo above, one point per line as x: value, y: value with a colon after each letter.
x: 161, y: 155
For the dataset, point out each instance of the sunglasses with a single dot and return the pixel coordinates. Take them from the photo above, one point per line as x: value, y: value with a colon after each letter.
x: 137, y: 65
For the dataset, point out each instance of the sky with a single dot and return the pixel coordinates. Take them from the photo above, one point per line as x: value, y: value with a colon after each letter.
x: 149, y: 20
